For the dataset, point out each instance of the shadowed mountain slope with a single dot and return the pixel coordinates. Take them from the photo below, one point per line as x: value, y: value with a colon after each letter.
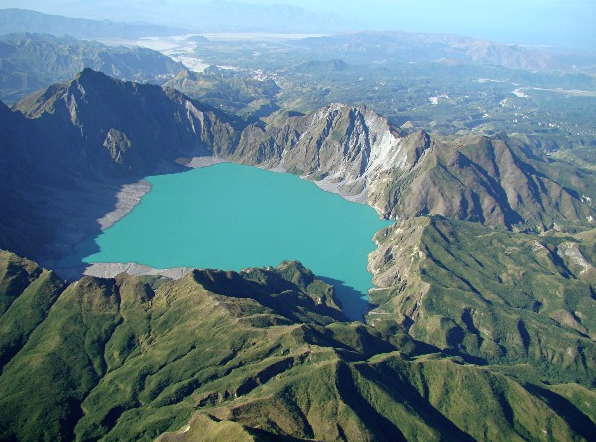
x: 82, y: 141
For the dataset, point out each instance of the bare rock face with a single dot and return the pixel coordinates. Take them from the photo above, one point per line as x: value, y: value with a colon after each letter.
x: 451, y: 274
x: 351, y: 146
x: 499, y: 181
x: 102, y: 121
x: 344, y: 149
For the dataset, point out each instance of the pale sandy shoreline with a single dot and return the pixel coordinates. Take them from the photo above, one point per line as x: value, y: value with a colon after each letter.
x: 128, y: 197
x: 111, y: 270
x: 200, y: 162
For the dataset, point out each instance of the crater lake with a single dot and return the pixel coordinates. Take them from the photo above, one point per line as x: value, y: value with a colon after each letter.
x: 230, y: 217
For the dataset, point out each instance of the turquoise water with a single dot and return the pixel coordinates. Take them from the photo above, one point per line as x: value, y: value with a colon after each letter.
x: 230, y: 216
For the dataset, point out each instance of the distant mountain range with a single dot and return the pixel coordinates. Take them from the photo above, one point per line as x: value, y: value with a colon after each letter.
x: 23, y: 20
x: 215, y: 16
x: 29, y: 62
x: 354, y: 47
x: 359, y: 47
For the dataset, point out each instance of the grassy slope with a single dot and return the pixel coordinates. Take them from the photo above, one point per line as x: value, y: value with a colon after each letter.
x: 252, y: 356
x: 504, y: 297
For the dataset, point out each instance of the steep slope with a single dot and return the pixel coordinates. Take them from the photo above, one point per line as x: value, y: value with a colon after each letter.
x: 502, y: 180
x: 137, y: 126
x: 389, y: 398
x: 132, y: 331
x: 496, y: 181
x: 504, y: 297
x: 258, y: 354
x: 263, y: 354
x: 33, y: 61
x: 26, y: 294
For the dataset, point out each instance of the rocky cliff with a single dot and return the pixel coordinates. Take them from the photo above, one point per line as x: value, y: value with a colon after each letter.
x: 111, y: 126
x: 500, y: 181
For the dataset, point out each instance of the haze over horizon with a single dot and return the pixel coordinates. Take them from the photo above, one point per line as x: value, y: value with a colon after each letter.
x: 565, y: 23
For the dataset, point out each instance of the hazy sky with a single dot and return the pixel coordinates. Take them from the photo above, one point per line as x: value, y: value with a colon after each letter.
x: 531, y: 21
x: 552, y: 22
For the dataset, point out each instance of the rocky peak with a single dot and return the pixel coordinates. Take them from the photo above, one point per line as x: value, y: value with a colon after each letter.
x: 132, y: 125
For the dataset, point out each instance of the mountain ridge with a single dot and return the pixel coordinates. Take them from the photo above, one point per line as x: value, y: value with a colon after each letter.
x: 101, y: 130
x: 16, y: 20
x: 122, y: 376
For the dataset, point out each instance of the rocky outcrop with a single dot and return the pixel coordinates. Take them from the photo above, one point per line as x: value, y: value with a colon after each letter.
x: 500, y: 181
x: 345, y: 149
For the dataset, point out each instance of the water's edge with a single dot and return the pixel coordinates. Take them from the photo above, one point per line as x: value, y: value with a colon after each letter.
x: 130, y: 195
